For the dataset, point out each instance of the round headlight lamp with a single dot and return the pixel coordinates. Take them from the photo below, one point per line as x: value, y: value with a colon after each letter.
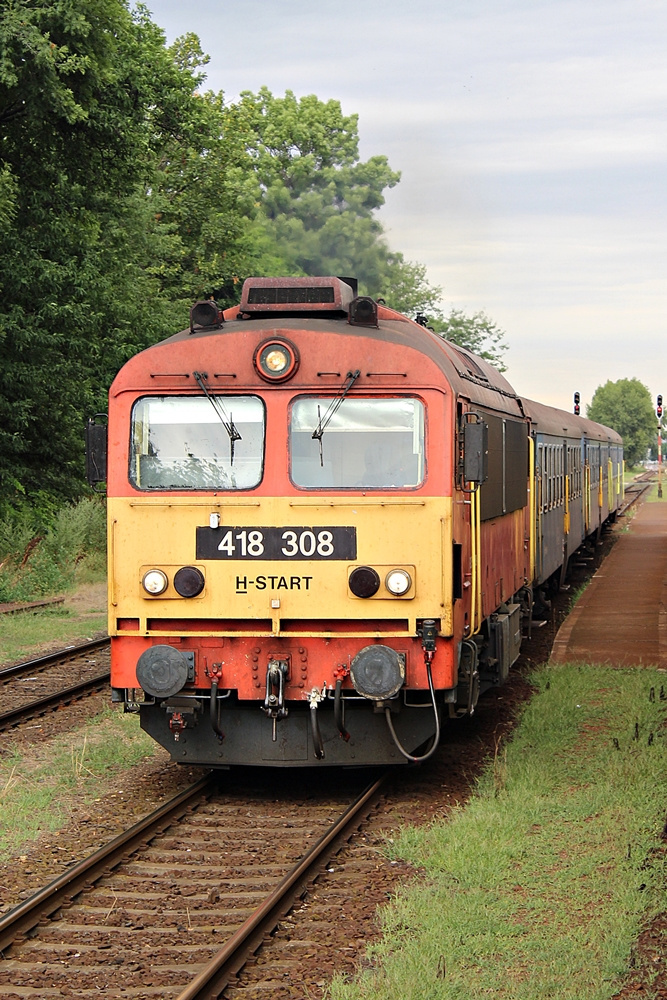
x: 154, y: 582
x: 398, y: 582
x: 189, y: 581
x: 276, y: 360
x: 364, y: 581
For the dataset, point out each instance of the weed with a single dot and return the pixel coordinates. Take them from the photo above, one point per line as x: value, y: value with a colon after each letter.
x: 38, y: 795
x: 577, y: 593
x: 39, y: 559
x: 539, y: 886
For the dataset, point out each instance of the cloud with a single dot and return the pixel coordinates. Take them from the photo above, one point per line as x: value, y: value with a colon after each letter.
x: 531, y: 136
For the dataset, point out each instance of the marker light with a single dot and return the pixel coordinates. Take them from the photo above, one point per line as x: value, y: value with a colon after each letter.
x: 364, y: 581
x: 398, y: 582
x: 155, y: 582
x: 189, y: 581
x: 207, y: 315
x: 276, y: 360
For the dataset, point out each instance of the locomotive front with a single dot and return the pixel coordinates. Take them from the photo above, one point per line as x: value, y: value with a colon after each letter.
x: 280, y: 532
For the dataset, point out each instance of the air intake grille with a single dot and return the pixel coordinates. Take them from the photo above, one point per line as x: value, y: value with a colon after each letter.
x: 294, y: 295
x: 291, y: 295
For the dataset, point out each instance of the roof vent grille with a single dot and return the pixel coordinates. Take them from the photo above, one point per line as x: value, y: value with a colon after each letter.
x: 293, y: 295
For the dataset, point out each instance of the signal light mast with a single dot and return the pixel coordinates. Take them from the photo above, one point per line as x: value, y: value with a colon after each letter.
x: 658, y: 410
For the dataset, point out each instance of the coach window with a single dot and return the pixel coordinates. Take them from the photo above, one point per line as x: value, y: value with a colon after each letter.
x: 197, y: 443
x: 358, y: 444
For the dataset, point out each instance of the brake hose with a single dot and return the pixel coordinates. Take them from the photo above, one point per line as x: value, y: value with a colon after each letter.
x: 428, y: 656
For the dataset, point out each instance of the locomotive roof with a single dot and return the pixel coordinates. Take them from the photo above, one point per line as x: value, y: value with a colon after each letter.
x: 325, y: 305
x: 468, y: 375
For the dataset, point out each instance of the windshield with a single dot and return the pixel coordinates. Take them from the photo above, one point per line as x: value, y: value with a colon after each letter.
x: 368, y: 443
x: 179, y: 442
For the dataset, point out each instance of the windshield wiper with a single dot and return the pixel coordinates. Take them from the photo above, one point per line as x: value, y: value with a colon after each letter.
x: 226, y: 421
x: 332, y: 409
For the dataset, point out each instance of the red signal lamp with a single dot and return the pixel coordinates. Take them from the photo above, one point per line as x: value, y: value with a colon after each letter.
x: 577, y: 408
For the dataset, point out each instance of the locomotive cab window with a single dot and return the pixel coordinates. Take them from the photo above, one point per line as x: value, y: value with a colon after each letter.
x: 359, y: 444
x: 197, y: 443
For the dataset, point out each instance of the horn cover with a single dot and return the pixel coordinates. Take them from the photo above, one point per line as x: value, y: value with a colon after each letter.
x: 162, y: 671
x: 378, y: 672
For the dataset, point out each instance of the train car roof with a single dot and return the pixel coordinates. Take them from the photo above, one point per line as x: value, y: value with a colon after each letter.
x: 467, y: 375
x: 550, y: 420
x: 329, y: 306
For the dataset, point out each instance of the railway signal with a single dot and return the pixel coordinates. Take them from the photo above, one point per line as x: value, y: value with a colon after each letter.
x: 658, y: 411
x: 577, y: 408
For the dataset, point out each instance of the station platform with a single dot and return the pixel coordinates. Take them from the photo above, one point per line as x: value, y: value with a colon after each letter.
x: 620, y: 619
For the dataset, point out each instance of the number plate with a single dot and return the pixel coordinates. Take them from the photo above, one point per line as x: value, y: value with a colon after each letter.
x: 273, y: 543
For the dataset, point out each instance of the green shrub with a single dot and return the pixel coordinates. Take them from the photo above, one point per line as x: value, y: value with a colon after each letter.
x: 43, y: 552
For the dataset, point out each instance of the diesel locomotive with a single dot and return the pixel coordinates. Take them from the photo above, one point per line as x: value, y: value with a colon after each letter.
x: 327, y: 526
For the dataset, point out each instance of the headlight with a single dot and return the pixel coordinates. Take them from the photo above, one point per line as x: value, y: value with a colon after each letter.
x: 398, y: 582
x: 276, y: 360
x: 155, y: 582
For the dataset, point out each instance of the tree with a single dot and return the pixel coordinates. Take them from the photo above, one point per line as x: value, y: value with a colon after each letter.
x: 319, y: 203
x: 205, y: 199
x: 317, y: 198
x: 89, y: 98
x: 477, y: 333
x: 126, y: 193
x: 626, y: 406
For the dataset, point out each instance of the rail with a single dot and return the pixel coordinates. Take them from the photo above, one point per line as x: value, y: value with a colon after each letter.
x: 61, y: 907
x: 46, y: 901
x: 44, y: 661
x: 213, y: 979
x: 51, y: 700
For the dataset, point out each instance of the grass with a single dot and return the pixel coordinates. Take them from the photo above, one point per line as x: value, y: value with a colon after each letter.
x: 45, y: 553
x: 23, y: 635
x: 538, y: 887
x: 631, y: 473
x: 577, y: 593
x: 652, y: 495
x: 37, y: 792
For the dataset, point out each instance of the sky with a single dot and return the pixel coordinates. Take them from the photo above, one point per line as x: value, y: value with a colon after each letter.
x: 531, y: 137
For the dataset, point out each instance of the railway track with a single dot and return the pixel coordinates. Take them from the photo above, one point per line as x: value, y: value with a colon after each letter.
x: 635, y: 490
x: 173, y: 907
x: 44, y: 684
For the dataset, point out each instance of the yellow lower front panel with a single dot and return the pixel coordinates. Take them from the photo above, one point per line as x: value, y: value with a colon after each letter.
x: 276, y: 566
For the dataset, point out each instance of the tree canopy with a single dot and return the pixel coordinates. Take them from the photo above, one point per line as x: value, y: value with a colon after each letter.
x: 477, y: 333
x: 127, y: 191
x: 626, y: 406
x: 88, y: 93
